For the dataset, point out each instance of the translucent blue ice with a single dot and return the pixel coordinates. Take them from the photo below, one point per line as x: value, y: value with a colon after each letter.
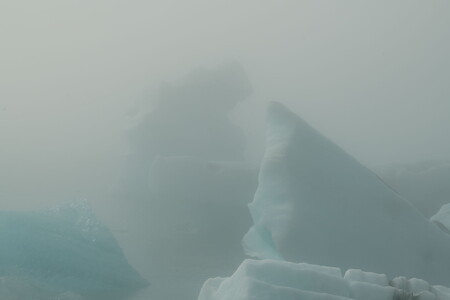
x: 65, y: 249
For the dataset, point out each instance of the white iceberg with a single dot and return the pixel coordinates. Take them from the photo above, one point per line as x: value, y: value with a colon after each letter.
x: 317, y: 204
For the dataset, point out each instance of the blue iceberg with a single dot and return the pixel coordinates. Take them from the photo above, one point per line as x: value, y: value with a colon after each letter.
x: 65, y: 249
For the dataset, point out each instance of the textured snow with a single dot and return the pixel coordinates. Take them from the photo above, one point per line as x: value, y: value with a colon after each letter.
x: 317, y: 204
x: 274, y: 279
x: 63, y: 250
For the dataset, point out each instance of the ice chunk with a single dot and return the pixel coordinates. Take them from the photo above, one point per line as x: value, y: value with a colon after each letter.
x: 441, y: 292
x: 413, y: 286
x: 369, y: 277
x: 273, y: 279
x: 300, y: 276
x: 332, y: 271
x: 417, y: 286
x: 426, y: 296
x: 65, y: 250
x: 317, y: 204
x: 400, y: 282
x: 249, y: 289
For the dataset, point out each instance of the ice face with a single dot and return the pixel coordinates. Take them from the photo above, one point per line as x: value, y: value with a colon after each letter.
x: 317, y: 204
x: 270, y: 279
x: 64, y: 250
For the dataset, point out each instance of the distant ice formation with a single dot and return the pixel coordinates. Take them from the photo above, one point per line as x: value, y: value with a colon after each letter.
x: 317, y: 204
x: 189, y: 183
x: 190, y: 117
x: 270, y: 279
x: 64, y: 252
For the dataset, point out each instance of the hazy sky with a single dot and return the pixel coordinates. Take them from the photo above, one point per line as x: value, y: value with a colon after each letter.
x: 372, y: 75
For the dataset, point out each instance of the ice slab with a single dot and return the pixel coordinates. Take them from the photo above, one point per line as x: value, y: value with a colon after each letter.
x: 368, y: 277
x: 273, y: 279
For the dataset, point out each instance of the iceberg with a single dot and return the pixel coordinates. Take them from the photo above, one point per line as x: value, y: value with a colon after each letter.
x: 274, y: 279
x: 63, y: 251
x: 317, y: 204
x: 190, y: 117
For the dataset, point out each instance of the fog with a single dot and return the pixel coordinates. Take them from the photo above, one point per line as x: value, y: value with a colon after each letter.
x: 77, y: 77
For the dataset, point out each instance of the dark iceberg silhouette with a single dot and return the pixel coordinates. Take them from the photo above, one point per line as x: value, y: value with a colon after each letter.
x: 189, y: 118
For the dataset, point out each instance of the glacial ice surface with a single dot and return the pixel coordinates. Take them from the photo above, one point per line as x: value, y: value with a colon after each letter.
x: 63, y: 251
x: 317, y: 204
